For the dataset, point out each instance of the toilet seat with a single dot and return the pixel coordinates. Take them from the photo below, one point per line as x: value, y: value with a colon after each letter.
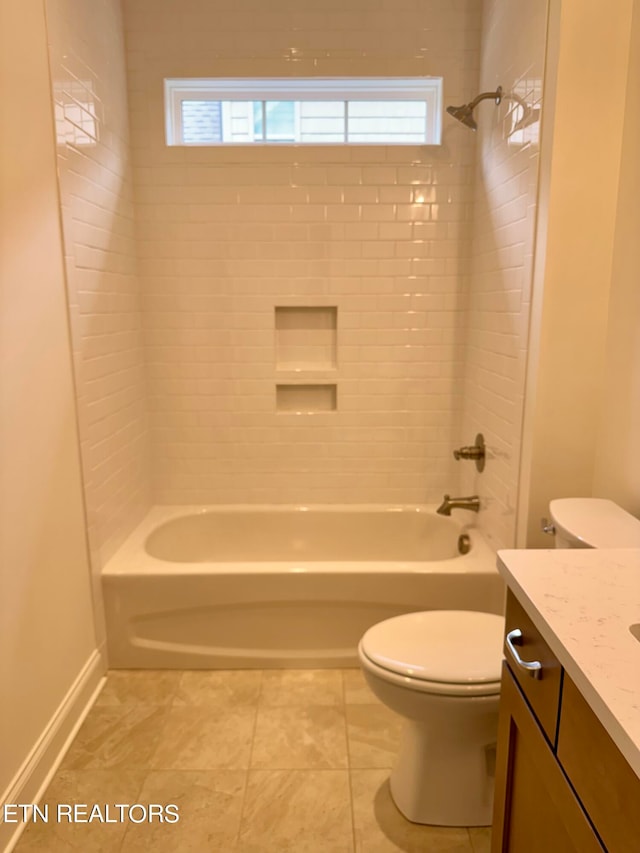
x: 432, y: 688
x: 451, y: 652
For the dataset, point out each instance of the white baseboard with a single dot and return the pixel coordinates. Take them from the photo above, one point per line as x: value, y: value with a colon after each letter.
x: 32, y: 779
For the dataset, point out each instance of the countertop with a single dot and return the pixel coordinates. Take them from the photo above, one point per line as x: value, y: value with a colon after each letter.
x: 583, y: 601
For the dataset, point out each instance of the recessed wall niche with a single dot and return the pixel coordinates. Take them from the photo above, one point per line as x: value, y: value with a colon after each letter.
x: 306, y: 399
x: 306, y: 338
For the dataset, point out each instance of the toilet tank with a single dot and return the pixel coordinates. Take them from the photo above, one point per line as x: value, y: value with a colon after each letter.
x: 593, y: 523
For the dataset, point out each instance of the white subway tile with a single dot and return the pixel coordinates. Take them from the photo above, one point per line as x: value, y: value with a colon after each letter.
x: 299, y: 226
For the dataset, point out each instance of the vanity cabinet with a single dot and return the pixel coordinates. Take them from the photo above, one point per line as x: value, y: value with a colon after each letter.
x: 562, y: 785
x: 536, y: 810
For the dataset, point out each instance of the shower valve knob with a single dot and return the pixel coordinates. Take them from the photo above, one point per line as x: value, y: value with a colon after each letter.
x: 469, y: 452
x: 473, y: 451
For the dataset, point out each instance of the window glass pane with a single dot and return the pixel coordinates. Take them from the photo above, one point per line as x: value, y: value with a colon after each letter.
x: 322, y: 109
x: 237, y: 121
x: 258, y: 129
x: 322, y: 121
x: 395, y: 121
x: 400, y: 109
x: 281, y: 120
x: 201, y: 121
x: 387, y: 138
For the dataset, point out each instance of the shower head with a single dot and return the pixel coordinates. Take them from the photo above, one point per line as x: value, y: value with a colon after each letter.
x: 464, y: 113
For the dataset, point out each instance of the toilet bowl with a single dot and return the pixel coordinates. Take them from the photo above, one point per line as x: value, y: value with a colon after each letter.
x: 440, y: 670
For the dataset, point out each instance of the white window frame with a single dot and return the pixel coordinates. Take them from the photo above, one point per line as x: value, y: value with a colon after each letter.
x: 427, y: 89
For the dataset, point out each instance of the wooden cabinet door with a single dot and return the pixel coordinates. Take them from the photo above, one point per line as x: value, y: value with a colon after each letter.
x: 535, y: 808
x: 601, y: 776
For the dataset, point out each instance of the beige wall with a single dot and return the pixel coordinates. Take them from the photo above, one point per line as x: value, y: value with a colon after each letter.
x: 577, y: 245
x: 90, y: 93
x: 505, y: 195
x: 617, y: 468
x: 46, y: 624
x: 227, y: 234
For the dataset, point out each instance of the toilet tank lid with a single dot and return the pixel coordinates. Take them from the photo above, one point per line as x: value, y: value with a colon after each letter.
x: 597, y: 522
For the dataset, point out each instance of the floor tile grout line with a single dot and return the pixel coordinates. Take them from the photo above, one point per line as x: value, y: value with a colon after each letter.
x: 349, y: 779
x: 182, y: 672
x: 165, y: 722
x: 249, y: 762
x: 147, y: 773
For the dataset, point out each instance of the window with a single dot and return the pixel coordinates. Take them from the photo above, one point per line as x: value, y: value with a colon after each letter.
x: 309, y: 111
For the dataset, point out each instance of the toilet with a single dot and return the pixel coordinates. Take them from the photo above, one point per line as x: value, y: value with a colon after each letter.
x: 440, y: 670
x: 593, y: 523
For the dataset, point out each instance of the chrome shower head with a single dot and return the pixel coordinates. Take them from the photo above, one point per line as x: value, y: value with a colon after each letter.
x: 464, y: 113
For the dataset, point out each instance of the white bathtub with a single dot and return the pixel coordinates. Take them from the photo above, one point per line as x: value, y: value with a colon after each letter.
x: 231, y: 587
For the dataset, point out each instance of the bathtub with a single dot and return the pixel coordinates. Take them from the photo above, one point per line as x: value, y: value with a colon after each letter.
x: 235, y: 587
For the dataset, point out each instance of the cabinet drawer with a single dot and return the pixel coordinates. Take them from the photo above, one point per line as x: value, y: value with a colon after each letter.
x: 601, y: 776
x: 542, y: 693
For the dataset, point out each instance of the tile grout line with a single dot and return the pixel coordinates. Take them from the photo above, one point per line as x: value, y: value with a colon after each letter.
x: 248, y: 771
x: 151, y: 769
x: 166, y: 708
x: 126, y: 832
x: 349, y: 778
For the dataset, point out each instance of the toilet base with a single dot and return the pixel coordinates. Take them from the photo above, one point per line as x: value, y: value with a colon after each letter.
x: 444, y: 774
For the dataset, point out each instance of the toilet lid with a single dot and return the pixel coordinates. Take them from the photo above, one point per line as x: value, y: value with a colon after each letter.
x: 449, y: 646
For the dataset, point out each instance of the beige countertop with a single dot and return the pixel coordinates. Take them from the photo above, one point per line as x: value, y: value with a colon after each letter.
x: 583, y: 601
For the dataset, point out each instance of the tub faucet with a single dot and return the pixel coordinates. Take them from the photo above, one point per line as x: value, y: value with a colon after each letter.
x: 449, y: 503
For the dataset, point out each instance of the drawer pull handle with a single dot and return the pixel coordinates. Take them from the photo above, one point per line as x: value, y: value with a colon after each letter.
x: 533, y: 667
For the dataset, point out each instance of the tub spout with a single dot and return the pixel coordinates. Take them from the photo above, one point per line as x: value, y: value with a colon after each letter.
x: 449, y: 503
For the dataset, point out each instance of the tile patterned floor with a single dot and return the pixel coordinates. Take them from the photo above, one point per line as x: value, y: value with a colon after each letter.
x: 279, y: 761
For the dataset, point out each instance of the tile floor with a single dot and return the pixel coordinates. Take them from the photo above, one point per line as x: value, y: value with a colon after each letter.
x: 293, y: 761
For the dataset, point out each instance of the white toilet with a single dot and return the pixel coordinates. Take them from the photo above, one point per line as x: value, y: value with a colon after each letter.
x: 440, y: 670
x: 593, y: 523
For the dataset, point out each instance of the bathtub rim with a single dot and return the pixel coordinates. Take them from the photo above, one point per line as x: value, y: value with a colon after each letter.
x: 132, y: 560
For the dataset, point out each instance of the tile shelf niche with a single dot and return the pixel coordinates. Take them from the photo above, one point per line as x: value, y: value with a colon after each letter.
x: 306, y: 349
x: 306, y: 338
x: 306, y: 399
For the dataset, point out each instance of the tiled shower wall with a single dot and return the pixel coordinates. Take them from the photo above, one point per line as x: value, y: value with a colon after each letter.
x: 513, y: 44
x: 89, y: 90
x: 376, y: 236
